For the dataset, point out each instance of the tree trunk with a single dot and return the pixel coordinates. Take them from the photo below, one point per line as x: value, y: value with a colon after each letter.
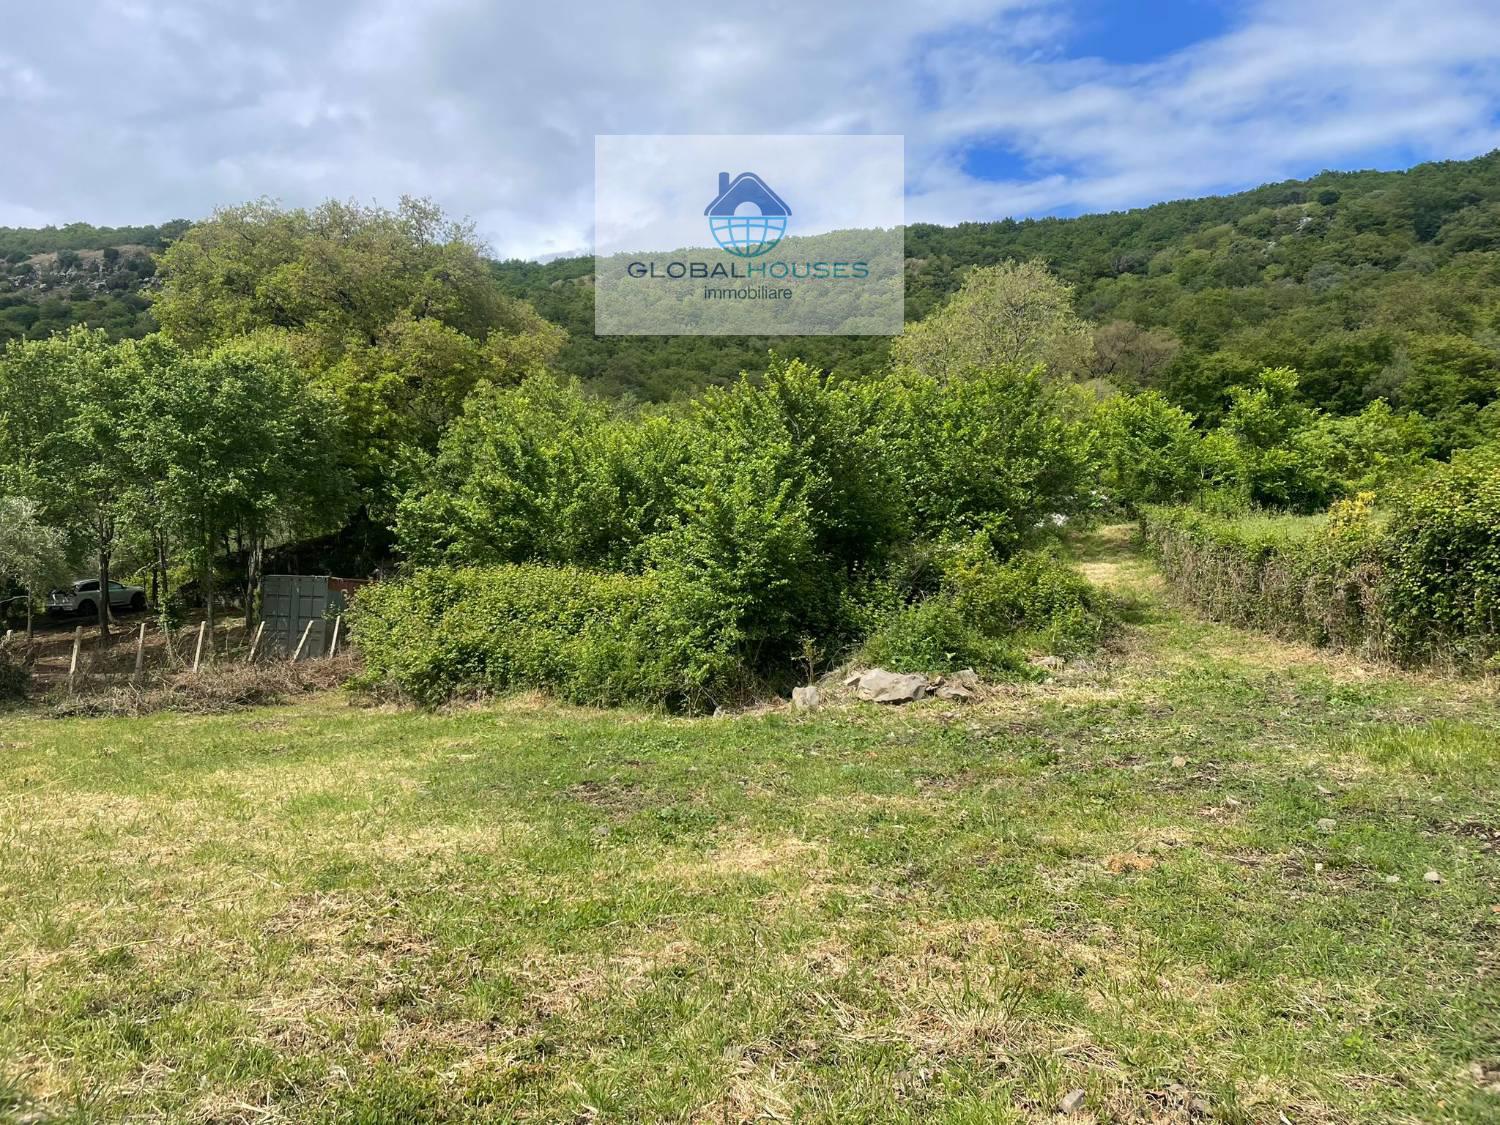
x: 252, y: 581
x: 208, y: 585
x: 159, y: 597
x: 103, y: 599
x: 30, y: 597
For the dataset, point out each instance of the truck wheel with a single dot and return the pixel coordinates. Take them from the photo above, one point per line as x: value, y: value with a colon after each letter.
x: 87, y: 609
x: 138, y: 602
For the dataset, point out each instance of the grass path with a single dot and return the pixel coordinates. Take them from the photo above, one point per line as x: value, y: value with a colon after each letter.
x: 1162, y: 878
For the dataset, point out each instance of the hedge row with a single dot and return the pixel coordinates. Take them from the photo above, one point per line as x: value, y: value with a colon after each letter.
x: 1325, y: 588
x: 605, y: 638
x: 586, y: 636
x: 1422, y: 586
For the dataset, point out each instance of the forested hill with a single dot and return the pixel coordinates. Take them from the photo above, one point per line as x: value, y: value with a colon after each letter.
x: 1371, y: 284
x: 55, y: 277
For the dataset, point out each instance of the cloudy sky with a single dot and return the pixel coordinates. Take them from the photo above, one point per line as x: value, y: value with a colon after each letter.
x: 127, y: 111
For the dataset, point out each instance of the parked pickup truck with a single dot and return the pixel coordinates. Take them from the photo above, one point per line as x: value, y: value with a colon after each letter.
x: 82, y: 598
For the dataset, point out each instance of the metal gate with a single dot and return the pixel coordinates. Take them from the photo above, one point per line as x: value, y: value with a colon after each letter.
x: 288, y: 602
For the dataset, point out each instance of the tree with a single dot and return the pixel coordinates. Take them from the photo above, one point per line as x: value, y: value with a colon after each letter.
x: 233, y: 443
x: 396, y: 312
x: 66, y: 399
x: 1015, y: 314
x: 991, y: 452
x: 32, y: 554
x: 1151, y: 452
x: 1129, y: 355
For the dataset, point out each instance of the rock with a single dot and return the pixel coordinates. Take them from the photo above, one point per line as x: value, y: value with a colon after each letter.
x: 853, y: 677
x: 1432, y: 877
x: 1199, y: 1107
x: 1393, y: 879
x: 1178, y: 762
x: 1318, y: 867
x: 1072, y: 1102
x: 954, y: 691
x: 1051, y: 663
x: 1327, y: 824
x: 965, y: 677
x: 806, y: 698
x: 892, y: 687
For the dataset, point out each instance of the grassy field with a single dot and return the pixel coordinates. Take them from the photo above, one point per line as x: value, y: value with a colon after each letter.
x: 1186, y: 878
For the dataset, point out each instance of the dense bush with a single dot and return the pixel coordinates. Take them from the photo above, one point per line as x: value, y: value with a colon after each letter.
x: 587, y: 636
x: 1313, y: 579
x: 1421, y: 586
x: 991, y: 451
x: 989, y: 615
x: 541, y: 472
x: 933, y: 635
x: 1036, y: 598
x: 1151, y: 451
x: 1443, y: 562
x: 773, y: 510
x: 1272, y: 450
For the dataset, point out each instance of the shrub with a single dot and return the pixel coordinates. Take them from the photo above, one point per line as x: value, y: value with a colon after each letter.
x: 586, y: 636
x: 784, y: 502
x: 990, y: 451
x: 933, y: 635
x: 1151, y: 452
x: 1422, y: 586
x: 1314, y: 579
x: 1035, y: 597
x: 1443, y: 562
x: 988, y: 614
x: 541, y: 473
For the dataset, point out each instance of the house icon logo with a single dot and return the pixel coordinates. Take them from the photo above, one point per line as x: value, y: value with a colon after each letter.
x: 747, y: 218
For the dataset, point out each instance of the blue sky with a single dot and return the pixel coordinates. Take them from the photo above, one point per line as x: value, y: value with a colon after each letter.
x: 490, y: 107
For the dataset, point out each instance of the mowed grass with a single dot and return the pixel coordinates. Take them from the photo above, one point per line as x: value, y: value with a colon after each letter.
x: 1109, y: 882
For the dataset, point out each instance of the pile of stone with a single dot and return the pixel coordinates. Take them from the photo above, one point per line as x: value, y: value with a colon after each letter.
x: 876, y: 685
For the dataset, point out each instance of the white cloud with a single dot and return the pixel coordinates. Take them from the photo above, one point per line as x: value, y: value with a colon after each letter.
x: 129, y: 112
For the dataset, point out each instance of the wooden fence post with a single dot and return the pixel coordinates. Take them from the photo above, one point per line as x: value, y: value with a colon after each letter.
x: 198, y: 648
x: 296, y: 656
x: 73, y: 662
x: 338, y: 622
x: 140, y: 655
x: 255, y: 643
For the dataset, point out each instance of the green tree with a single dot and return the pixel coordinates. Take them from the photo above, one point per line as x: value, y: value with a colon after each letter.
x: 1014, y: 314
x: 1150, y: 449
x: 993, y: 452
x: 395, y: 311
x: 66, y: 403
x: 32, y: 554
x: 233, y: 444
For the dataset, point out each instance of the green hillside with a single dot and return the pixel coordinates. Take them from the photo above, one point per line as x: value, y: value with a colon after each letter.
x: 1371, y: 284
x: 55, y: 277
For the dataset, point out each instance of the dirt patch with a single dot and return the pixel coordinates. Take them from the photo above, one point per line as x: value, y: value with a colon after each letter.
x: 617, y: 797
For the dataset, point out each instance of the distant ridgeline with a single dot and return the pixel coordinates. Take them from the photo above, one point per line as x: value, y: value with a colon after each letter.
x: 56, y: 277
x: 1371, y: 284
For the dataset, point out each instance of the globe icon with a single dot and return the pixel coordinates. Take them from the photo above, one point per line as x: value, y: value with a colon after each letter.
x: 747, y: 236
x: 746, y: 218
